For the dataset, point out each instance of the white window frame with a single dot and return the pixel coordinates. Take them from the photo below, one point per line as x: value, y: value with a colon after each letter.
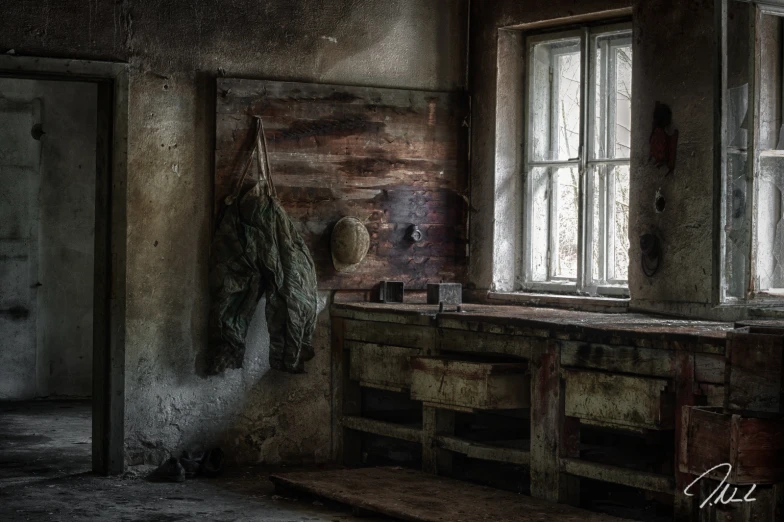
x: 753, y: 295
x: 586, y: 163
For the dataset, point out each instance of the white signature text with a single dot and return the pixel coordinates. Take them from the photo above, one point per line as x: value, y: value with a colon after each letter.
x: 722, y: 494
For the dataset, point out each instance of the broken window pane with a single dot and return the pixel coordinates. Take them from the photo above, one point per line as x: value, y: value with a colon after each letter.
x: 554, y: 92
x: 770, y: 224
x: 736, y: 187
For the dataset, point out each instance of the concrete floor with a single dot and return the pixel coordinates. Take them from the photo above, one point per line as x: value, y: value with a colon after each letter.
x: 45, y: 475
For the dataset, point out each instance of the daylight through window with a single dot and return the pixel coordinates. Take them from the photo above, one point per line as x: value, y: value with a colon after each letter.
x: 577, y: 200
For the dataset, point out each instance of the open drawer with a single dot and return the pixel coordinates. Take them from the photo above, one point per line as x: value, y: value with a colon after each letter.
x: 380, y: 366
x: 618, y: 400
x: 754, y: 447
x: 465, y: 385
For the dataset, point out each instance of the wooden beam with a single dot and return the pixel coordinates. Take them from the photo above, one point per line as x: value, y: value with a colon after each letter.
x: 385, y: 429
x: 477, y: 450
x: 616, y: 475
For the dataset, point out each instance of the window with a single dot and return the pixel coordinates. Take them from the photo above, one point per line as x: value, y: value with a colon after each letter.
x: 752, y: 235
x: 576, y: 169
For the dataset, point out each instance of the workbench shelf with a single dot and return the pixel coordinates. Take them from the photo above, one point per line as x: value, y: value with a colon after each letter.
x: 572, y: 407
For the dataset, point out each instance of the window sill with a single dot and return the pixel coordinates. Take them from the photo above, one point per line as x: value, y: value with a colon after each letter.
x: 773, y: 312
x: 574, y: 302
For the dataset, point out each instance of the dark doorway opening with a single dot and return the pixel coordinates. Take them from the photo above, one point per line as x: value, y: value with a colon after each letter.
x: 62, y: 264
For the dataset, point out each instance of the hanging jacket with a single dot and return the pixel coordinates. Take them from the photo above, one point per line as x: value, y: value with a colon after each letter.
x: 256, y: 251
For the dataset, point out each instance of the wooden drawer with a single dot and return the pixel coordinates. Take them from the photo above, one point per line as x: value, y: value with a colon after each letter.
x: 755, y: 370
x: 754, y: 447
x: 464, y: 385
x: 407, y: 335
x: 619, y: 400
x: 380, y: 366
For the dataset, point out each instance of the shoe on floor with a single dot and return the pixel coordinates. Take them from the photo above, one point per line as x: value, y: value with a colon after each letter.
x: 212, y: 463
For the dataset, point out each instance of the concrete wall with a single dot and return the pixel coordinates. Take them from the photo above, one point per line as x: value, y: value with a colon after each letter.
x: 66, y: 217
x: 673, y: 64
x: 176, y: 49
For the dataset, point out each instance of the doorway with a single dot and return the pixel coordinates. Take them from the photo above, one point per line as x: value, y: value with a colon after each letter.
x: 63, y: 146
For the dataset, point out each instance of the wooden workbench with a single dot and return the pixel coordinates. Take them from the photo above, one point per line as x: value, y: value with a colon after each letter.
x: 567, y: 370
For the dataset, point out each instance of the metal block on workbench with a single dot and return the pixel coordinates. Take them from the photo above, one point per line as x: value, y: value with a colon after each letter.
x: 447, y: 293
x: 390, y: 292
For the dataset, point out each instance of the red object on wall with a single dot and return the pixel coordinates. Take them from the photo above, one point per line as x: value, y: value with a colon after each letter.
x: 663, y: 145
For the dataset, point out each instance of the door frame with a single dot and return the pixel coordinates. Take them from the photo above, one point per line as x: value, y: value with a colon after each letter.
x: 108, y: 396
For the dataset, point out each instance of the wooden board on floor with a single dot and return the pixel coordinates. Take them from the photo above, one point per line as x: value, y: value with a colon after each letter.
x: 421, y: 497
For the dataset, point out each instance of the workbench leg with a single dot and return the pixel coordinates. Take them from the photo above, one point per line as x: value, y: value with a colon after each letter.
x: 346, y: 400
x: 436, y: 421
x: 547, y: 482
x: 684, y: 507
x: 569, y: 486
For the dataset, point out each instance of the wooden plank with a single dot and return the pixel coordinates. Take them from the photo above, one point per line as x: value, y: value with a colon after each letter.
x: 767, y: 505
x: 385, y: 429
x: 546, y: 411
x: 617, y: 475
x: 338, y: 173
x: 436, y: 422
x: 449, y: 382
x: 390, y: 157
x: 346, y: 400
x: 760, y: 451
x: 623, y: 359
x: 755, y: 366
x: 450, y: 340
x: 618, y: 399
x: 683, y: 505
x: 569, y: 447
x: 709, y: 368
x: 409, y: 336
x: 706, y: 438
x: 713, y: 394
x: 459, y: 322
x: 477, y: 450
x: 381, y: 366
x: 421, y: 497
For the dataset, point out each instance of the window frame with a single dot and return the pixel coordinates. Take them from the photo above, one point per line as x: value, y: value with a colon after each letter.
x: 586, y: 162
x: 753, y: 295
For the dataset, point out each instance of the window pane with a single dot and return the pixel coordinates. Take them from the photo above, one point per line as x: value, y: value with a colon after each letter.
x: 612, y: 103
x: 565, y: 215
x: 554, y: 95
x: 736, y: 187
x: 619, y: 250
x: 609, y: 233
x: 736, y: 227
x: 539, y: 179
x: 770, y: 224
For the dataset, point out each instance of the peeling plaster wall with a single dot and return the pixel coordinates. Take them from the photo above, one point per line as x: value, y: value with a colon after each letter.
x: 65, y: 215
x: 682, y: 78
x: 176, y: 49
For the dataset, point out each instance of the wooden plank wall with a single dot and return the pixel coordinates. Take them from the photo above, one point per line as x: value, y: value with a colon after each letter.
x: 389, y: 157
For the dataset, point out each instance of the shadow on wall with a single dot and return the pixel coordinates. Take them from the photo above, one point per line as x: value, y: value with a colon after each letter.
x: 284, y: 417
